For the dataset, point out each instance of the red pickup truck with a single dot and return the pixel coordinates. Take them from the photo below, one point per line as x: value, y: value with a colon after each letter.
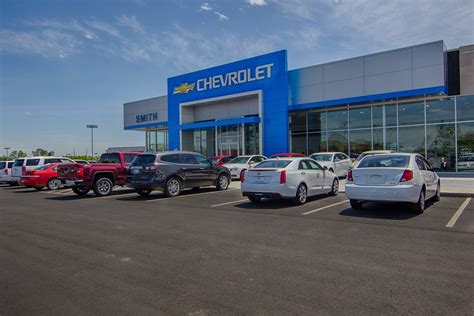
x: 101, y: 177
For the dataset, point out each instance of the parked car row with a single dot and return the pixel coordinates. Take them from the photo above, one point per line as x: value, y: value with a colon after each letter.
x: 379, y: 176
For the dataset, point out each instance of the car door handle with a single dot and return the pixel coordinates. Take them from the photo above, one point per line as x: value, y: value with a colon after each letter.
x: 303, y: 173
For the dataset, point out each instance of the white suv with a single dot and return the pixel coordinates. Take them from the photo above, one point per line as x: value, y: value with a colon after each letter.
x: 23, y: 164
x: 6, y: 171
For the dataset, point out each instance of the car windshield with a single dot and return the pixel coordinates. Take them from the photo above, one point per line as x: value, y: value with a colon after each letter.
x: 383, y: 161
x: 273, y: 164
x: 109, y: 158
x: 141, y: 160
x: 42, y: 167
x: 19, y: 162
x: 467, y: 158
x: 241, y: 159
x: 322, y: 157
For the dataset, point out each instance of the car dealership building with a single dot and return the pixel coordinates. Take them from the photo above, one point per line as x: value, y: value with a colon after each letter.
x: 413, y: 99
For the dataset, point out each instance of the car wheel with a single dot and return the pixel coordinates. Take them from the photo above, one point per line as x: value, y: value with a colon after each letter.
x: 222, y: 182
x: 103, y: 187
x: 301, y: 195
x: 53, y: 184
x: 173, y: 187
x: 80, y: 190
x: 356, y: 204
x: 143, y: 192
x: 419, y: 207
x: 38, y: 188
x: 254, y: 199
x: 334, y: 188
x: 437, y: 196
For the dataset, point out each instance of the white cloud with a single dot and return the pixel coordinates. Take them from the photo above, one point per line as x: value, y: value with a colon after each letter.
x: 28, y: 113
x: 205, y: 7
x: 131, y: 22
x: 260, y: 3
x: 104, y: 27
x: 221, y: 16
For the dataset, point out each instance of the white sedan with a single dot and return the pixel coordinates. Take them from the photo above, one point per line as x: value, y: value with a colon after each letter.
x: 336, y: 162
x: 288, y: 178
x: 397, y: 177
x: 238, y: 165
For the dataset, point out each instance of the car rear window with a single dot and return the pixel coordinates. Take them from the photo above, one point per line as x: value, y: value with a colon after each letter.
x: 174, y: 158
x: 18, y: 163
x: 2, y: 164
x: 273, y: 164
x: 109, y: 158
x: 51, y: 160
x: 321, y: 157
x: 383, y: 161
x: 32, y: 162
x: 141, y: 160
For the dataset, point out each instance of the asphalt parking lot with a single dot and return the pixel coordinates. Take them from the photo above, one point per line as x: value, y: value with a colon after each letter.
x: 216, y: 253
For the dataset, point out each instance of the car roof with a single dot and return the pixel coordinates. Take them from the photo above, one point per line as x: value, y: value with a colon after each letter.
x: 379, y: 151
x: 328, y: 152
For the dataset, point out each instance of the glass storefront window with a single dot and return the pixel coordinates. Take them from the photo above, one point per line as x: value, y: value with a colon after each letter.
x: 360, y: 141
x: 360, y: 117
x: 440, y: 110
x: 378, y: 139
x: 157, y: 140
x: 298, y: 122
x: 411, y: 113
x: 440, y: 142
x: 317, y: 142
x: 337, y: 119
x: 298, y: 143
x: 465, y: 108
x: 337, y: 141
x: 316, y: 121
x: 465, y: 147
x: 229, y: 140
x: 252, y: 139
x: 386, y: 112
x: 391, y: 138
x: 411, y: 139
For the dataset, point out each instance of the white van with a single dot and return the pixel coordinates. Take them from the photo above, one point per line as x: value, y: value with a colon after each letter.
x: 6, y: 171
x: 23, y: 164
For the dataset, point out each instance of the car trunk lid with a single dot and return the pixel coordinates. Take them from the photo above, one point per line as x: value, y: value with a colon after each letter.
x: 377, y: 176
x: 263, y: 175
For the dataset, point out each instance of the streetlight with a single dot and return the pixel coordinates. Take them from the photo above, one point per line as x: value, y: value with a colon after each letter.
x: 92, y: 136
x: 6, y: 148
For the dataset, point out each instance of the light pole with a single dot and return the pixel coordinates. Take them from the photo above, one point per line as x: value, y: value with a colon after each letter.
x: 91, y: 126
x: 7, y: 148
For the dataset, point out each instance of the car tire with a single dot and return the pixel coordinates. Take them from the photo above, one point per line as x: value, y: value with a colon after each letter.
x: 301, y: 195
x: 38, y: 188
x: 419, y: 207
x: 255, y: 199
x: 334, y: 187
x: 80, y: 190
x: 172, y: 187
x: 437, y: 196
x: 356, y: 204
x: 53, y: 184
x: 103, y: 187
x: 222, y: 182
x: 143, y: 192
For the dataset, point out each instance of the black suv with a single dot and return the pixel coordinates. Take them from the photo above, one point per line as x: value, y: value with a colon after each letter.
x: 171, y: 172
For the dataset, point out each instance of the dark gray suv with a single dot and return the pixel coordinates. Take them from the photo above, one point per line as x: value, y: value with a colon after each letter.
x: 173, y: 171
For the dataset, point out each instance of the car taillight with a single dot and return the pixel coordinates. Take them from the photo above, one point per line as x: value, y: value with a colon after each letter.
x: 283, y: 177
x: 242, y: 177
x: 6, y: 171
x: 23, y: 170
x: 407, y: 175
x: 349, y: 176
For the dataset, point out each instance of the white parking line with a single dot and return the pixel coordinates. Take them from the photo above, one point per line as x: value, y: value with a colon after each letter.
x: 458, y: 213
x: 324, y: 207
x: 227, y: 203
x: 188, y: 195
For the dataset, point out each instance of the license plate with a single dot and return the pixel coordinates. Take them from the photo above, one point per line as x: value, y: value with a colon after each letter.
x: 134, y: 171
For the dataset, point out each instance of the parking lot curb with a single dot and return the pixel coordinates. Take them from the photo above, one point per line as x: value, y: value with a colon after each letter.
x: 455, y: 194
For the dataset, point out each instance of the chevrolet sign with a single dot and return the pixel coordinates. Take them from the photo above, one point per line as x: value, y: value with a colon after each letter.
x: 228, y: 79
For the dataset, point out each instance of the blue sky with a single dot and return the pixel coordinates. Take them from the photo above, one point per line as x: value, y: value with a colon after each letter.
x: 65, y: 64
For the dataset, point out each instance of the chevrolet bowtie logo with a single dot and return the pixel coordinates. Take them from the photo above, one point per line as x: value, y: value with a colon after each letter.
x: 184, y: 88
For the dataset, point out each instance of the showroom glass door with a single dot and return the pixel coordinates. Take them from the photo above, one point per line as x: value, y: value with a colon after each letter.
x: 229, y: 140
